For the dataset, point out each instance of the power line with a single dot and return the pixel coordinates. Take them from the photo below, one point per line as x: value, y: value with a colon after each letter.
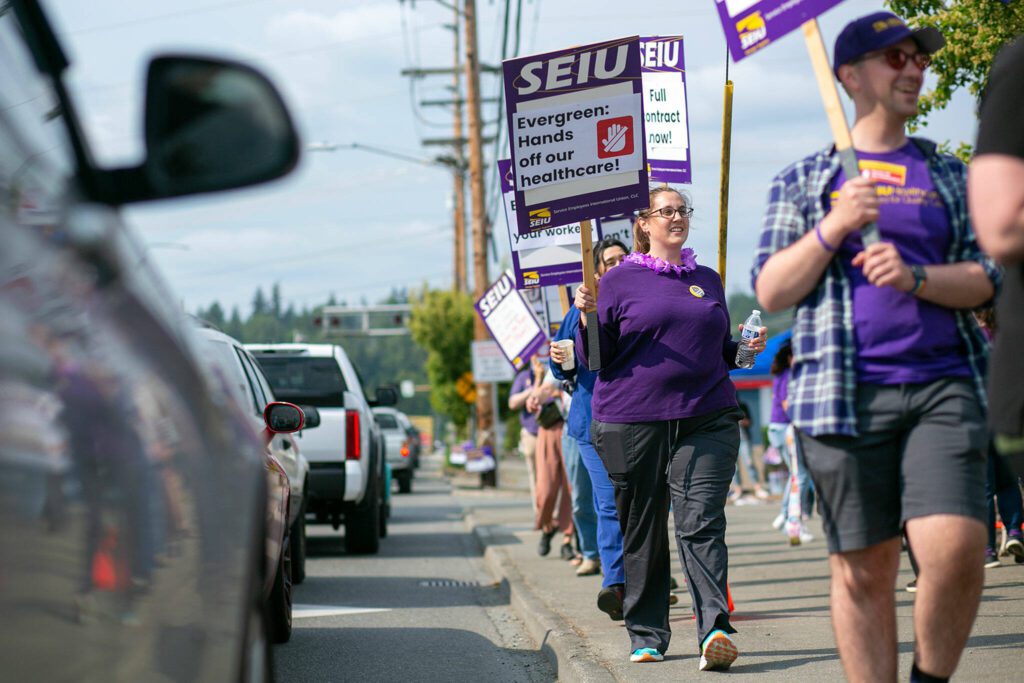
x: 163, y: 17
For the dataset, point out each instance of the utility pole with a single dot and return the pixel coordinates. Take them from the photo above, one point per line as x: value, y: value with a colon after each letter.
x: 460, y: 171
x: 484, y: 409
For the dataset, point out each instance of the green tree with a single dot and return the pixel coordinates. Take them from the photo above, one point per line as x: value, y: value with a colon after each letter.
x: 259, y: 302
x: 235, y: 327
x: 442, y: 323
x: 275, y: 300
x: 974, y: 32
x: 214, y: 315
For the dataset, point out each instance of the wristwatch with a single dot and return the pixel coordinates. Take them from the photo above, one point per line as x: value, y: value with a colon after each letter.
x: 920, y: 278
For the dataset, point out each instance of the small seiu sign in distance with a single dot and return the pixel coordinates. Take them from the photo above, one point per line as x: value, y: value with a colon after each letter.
x: 511, y: 321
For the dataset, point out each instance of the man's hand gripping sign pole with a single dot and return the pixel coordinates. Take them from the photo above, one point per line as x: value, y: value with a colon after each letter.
x: 751, y: 25
x: 576, y: 133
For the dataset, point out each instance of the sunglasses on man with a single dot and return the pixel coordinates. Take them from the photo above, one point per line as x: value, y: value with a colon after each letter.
x: 897, y: 58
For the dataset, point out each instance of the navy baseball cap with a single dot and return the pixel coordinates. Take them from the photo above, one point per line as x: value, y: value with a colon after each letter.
x: 876, y: 32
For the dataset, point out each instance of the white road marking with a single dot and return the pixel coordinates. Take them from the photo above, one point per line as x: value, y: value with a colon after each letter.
x: 307, y: 611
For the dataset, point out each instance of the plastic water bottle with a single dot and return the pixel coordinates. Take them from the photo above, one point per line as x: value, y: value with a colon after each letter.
x: 744, y: 355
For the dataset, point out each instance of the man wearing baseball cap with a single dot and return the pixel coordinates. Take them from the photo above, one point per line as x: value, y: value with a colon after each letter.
x: 887, y: 383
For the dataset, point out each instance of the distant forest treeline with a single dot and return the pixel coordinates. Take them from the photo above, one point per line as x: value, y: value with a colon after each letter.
x: 379, y: 360
x: 382, y: 360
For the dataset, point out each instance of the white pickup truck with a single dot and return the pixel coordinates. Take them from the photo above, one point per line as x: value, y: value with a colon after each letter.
x: 346, y: 453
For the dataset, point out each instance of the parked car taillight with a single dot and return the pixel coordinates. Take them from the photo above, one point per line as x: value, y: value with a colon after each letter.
x: 405, y: 449
x: 353, y: 440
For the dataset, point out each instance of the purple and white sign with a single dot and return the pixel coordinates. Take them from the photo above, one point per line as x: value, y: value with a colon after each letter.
x: 548, y: 256
x: 511, y: 321
x: 575, y: 122
x: 751, y: 25
x: 666, y: 126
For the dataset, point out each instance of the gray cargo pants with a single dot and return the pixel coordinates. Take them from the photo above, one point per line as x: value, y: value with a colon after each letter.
x: 690, y: 462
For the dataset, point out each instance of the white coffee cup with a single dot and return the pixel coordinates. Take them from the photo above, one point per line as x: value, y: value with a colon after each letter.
x: 568, y: 345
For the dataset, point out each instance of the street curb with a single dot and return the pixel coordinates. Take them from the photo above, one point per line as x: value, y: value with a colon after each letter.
x: 563, y: 647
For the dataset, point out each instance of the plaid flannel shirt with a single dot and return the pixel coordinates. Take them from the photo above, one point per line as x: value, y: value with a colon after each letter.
x: 823, y: 383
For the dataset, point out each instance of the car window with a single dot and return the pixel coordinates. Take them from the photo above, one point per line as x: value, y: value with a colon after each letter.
x: 36, y: 155
x: 310, y: 381
x: 264, y: 383
x: 386, y: 421
x: 257, y: 392
x: 222, y: 359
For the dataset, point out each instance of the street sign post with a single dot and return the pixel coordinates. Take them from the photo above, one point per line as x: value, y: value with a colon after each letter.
x: 489, y: 363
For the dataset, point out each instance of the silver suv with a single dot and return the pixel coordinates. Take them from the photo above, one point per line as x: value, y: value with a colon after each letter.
x: 346, y: 453
x: 398, y: 442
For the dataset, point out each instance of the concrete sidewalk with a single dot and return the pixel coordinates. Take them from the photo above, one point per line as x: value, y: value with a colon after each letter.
x: 781, y: 595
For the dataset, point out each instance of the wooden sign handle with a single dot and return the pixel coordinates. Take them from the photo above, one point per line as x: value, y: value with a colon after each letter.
x: 587, y: 256
x: 836, y: 115
x: 723, y: 191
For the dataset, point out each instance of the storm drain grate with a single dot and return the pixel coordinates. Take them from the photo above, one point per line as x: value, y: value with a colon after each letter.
x: 448, y: 583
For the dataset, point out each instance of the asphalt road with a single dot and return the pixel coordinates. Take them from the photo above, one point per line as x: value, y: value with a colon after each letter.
x: 423, y: 609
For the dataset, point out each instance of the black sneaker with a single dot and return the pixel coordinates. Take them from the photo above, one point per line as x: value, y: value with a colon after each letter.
x: 567, y: 552
x: 609, y: 601
x: 912, y: 586
x: 544, y: 545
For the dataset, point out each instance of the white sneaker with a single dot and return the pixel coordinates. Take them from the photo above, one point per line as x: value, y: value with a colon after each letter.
x: 806, y: 536
x: 778, y: 521
x: 718, y: 652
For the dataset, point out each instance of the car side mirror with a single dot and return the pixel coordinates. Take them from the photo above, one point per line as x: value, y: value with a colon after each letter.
x: 312, y: 417
x: 210, y: 124
x: 386, y: 396
x: 283, y: 418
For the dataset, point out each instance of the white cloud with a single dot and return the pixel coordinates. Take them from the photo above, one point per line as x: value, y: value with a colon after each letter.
x: 359, y: 21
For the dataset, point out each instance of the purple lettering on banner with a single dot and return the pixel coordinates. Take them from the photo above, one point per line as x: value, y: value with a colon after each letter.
x: 751, y: 25
x: 666, y: 121
x: 576, y: 133
x: 511, y: 321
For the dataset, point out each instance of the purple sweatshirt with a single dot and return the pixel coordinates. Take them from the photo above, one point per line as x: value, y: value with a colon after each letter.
x: 666, y: 347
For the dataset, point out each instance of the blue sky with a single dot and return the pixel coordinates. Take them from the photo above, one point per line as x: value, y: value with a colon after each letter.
x: 357, y: 224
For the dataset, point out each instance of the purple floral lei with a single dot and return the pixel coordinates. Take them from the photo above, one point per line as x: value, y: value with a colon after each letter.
x: 659, y: 265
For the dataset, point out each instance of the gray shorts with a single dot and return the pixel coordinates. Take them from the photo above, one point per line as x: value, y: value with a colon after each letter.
x: 921, y: 451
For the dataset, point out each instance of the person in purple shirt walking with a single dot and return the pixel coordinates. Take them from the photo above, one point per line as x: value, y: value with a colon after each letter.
x: 666, y: 425
x: 887, y: 389
x: 778, y: 426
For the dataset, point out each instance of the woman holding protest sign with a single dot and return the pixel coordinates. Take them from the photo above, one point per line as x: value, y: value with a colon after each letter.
x: 666, y: 425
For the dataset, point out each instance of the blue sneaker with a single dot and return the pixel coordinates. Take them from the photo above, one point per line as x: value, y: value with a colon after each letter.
x: 646, y: 654
x: 718, y: 652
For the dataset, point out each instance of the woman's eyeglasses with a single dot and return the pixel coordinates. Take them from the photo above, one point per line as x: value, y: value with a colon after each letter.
x: 897, y: 58
x: 669, y: 212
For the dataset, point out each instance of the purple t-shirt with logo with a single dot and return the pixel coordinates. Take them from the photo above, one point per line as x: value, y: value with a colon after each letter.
x: 901, y: 338
x: 664, y: 344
